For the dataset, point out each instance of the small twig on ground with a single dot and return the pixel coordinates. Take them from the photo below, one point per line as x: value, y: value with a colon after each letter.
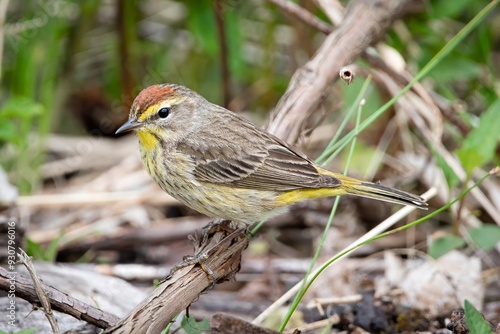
x: 104, y: 198
x: 40, y: 291
x: 330, y: 321
x: 319, y: 302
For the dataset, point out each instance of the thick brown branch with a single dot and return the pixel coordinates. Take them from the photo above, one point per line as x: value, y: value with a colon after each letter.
x: 59, y: 301
x: 306, y: 17
x: 365, y: 22
x: 223, y: 255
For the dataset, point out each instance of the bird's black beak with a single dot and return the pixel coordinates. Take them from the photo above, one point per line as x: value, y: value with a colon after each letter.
x: 131, y: 124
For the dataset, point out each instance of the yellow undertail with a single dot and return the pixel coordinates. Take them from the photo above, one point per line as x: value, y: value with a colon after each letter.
x: 351, y: 186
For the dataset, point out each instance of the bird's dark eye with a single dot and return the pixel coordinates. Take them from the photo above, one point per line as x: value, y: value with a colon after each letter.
x: 164, y: 112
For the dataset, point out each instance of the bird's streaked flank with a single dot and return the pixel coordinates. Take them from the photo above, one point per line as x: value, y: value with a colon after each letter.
x: 221, y: 165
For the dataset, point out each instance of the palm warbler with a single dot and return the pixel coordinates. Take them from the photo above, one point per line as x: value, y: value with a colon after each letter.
x: 223, y: 166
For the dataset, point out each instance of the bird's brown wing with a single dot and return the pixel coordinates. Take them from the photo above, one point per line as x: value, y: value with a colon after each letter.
x: 254, y: 159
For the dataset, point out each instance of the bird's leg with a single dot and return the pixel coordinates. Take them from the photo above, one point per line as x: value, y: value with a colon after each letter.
x: 205, y: 246
x: 218, y: 225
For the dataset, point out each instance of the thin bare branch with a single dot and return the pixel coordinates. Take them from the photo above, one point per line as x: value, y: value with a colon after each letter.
x: 40, y: 291
x: 59, y: 301
x: 224, y: 61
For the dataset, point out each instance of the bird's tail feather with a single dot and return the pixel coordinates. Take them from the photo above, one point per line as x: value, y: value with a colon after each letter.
x: 377, y: 191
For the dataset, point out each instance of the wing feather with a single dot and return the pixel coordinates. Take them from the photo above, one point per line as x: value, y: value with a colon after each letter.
x: 250, y: 158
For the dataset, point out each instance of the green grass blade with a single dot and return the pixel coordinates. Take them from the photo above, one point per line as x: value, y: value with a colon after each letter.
x: 325, y: 154
x: 305, y: 285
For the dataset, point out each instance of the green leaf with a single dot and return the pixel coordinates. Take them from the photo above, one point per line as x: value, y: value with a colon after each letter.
x: 38, y: 252
x: 201, y: 23
x: 456, y: 68
x: 191, y: 326
x: 450, y: 176
x: 470, y: 159
x: 475, y: 321
x: 20, y: 107
x: 27, y: 331
x: 169, y: 326
x: 480, y: 145
x: 238, y: 66
x: 35, y: 250
x: 52, y: 249
x: 486, y: 237
x: 22, y: 331
x: 361, y: 155
x: 447, y: 8
x: 443, y: 245
x: 8, y: 132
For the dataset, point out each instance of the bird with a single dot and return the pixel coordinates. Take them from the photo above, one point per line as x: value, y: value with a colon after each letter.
x: 223, y: 166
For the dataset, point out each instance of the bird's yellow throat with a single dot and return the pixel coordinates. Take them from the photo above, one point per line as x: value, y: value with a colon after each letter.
x: 147, y: 139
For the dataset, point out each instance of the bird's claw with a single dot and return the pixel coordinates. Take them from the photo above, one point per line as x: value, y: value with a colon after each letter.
x: 204, y: 247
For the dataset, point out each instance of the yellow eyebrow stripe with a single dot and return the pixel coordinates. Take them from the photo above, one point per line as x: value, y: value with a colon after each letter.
x: 146, y: 114
x: 153, y: 109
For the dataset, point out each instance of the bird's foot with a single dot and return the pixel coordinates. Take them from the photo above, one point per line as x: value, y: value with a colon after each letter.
x: 206, y: 244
